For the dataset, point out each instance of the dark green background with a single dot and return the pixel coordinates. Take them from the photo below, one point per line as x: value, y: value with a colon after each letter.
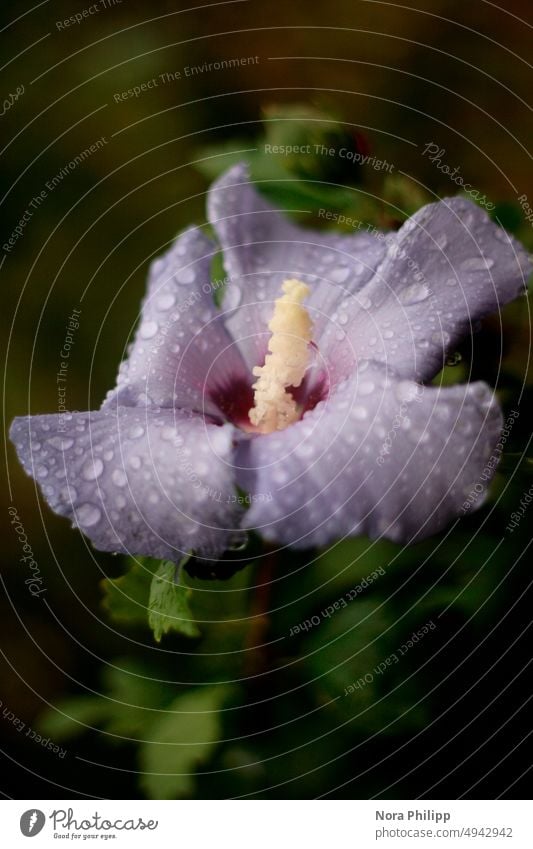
x: 454, y: 718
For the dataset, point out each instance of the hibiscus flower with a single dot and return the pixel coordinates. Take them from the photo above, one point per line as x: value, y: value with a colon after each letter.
x: 298, y: 407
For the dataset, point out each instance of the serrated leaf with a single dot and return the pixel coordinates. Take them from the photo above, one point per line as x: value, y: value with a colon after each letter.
x: 180, y: 740
x: 168, y: 606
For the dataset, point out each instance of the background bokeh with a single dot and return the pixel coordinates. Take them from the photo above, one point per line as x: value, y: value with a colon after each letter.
x: 454, y: 717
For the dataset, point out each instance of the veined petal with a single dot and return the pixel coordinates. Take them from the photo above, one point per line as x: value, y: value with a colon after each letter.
x: 148, y: 481
x: 382, y: 456
x: 262, y: 248
x: 182, y: 352
x: 447, y: 267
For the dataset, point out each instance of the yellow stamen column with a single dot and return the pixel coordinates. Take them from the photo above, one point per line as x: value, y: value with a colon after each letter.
x: 275, y: 408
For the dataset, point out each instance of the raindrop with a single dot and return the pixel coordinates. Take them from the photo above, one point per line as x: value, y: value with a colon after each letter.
x: 414, y: 294
x: 136, y: 431
x: 92, y: 470
x: 454, y: 359
x: 477, y: 263
x: 119, y: 477
x: 185, y: 275
x: 364, y: 302
x: 366, y: 387
x: 166, y: 301
x: 340, y: 274
x: 148, y: 329
x: 238, y: 541
x: 88, y: 515
x: 61, y: 443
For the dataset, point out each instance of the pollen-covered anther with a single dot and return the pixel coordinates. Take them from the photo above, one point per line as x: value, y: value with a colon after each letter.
x: 286, y: 363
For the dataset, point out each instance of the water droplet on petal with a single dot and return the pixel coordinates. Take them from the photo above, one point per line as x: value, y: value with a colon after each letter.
x: 366, y: 387
x: 119, y: 477
x: 414, y: 294
x: 166, y: 301
x: 148, y: 329
x: 60, y: 442
x: 477, y: 263
x: 185, y: 275
x: 407, y: 391
x: 340, y: 274
x: 92, y: 470
x: 88, y: 515
x: 135, y: 431
x: 135, y: 462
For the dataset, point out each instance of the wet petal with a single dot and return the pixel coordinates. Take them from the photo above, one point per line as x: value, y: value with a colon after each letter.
x: 140, y: 481
x: 381, y: 456
x: 447, y: 267
x: 262, y: 248
x: 182, y: 353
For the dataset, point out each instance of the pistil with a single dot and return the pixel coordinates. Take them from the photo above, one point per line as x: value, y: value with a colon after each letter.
x: 286, y: 363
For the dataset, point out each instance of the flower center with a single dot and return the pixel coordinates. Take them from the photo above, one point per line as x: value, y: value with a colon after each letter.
x: 285, y: 365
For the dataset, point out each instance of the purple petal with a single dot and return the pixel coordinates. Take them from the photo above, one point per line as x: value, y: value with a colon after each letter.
x: 446, y: 268
x: 381, y: 456
x: 262, y: 247
x: 140, y: 481
x: 182, y: 353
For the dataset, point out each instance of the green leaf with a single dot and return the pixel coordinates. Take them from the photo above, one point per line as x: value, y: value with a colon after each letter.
x: 126, y: 598
x: 168, y: 606
x: 179, y: 741
x: 72, y: 717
